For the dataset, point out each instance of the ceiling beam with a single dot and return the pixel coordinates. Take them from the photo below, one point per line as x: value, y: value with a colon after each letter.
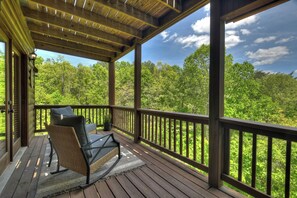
x: 59, y: 22
x: 71, y: 45
x: 66, y: 35
x: 72, y: 52
x: 175, y: 5
x: 90, y: 16
x: 126, y: 9
x: 235, y: 10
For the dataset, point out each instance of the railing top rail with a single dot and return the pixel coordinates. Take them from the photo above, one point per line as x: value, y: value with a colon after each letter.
x: 265, y: 128
x: 175, y: 115
x: 122, y: 107
x: 73, y: 106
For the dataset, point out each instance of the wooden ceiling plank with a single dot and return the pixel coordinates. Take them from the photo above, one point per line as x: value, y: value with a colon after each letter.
x: 175, y: 5
x: 71, y: 45
x: 66, y: 35
x: 72, y: 52
x: 126, y: 9
x: 57, y: 21
x: 90, y: 16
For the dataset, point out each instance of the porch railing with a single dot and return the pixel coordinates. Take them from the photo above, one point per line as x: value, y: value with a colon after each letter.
x: 94, y: 113
x: 185, y: 137
x: 243, y: 138
x: 123, y: 119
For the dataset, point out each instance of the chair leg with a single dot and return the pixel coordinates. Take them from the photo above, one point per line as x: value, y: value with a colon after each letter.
x: 51, y: 152
x: 58, y: 169
x: 88, y: 178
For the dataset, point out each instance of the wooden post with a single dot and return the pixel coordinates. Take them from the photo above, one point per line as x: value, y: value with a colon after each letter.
x: 137, y: 91
x: 24, y: 101
x: 111, y: 87
x: 216, y: 93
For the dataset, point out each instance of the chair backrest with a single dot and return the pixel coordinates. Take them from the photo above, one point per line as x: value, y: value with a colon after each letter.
x: 78, y: 123
x: 57, y: 112
x: 68, y: 148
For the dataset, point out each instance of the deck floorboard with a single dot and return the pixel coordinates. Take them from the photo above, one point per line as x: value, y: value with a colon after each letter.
x: 160, y: 177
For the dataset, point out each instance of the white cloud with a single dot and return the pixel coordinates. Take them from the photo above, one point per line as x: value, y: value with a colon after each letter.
x: 206, y: 8
x: 172, y: 37
x: 265, y: 39
x: 268, y: 72
x: 243, y: 22
x: 202, y: 25
x: 284, y: 40
x: 245, y: 31
x: 267, y: 56
x: 231, y: 32
x: 193, y: 40
x: 164, y: 34
x: 232, y: 40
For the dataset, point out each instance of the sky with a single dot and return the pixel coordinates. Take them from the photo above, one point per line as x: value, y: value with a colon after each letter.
x: 268, y: 40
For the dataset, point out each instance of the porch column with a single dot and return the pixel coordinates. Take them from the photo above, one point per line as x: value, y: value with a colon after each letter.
x: 137, y: 91
x: 111, y: 87
x: 216, y: 92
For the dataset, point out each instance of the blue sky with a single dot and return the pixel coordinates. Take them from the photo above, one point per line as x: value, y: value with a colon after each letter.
x: 268, y: 40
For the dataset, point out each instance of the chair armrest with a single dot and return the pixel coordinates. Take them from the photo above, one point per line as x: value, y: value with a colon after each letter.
x: 88, y: 120
x: 89, y: 146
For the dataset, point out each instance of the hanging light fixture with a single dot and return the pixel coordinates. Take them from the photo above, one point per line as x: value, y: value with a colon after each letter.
x: 32, y: 56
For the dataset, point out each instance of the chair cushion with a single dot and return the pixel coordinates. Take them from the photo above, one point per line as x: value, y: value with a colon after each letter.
x: 90, y: 127
x: 78, y: 123
x: 110, y: 143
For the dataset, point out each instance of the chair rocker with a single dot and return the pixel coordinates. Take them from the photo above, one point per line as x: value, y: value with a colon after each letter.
x: 84, y: 159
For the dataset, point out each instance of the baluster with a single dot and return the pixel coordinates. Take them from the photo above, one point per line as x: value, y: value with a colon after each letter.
x: 40, y: 119
x: 269, y: 166
x: 142, y: 126
x: 174, y: 135
x: 194, y: 142
x: 288, y: 168
x: 100, y: 116
x: 240, y: 156
x: 226, y: 143
x: 165, y: 127
x: 153, y: 136
x: 160, y: 131
x: 181, y: 137
x: 46, y: 112
x: 156, y: 130
x: 187, y: 139
x: 145, y: 127
x: 96, y: 117
x: 149, y: 128
x: 93, y: 115
x: 202, y: 143
x: 254, y: 160
x: 169, y: 134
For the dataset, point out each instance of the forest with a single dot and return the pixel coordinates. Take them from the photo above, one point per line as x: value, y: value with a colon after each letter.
x: 249, y: 95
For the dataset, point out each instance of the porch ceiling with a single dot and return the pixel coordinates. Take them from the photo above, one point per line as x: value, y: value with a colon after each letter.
x: 104, y: 30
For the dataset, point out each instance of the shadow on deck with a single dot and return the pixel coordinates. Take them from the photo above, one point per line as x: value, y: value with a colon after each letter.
x: 160, y: 177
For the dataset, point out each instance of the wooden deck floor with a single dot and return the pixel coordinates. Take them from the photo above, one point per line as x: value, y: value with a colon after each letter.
x: 160, y: 177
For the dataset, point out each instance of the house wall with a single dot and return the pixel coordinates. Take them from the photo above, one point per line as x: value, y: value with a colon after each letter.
x: 14, y: 26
